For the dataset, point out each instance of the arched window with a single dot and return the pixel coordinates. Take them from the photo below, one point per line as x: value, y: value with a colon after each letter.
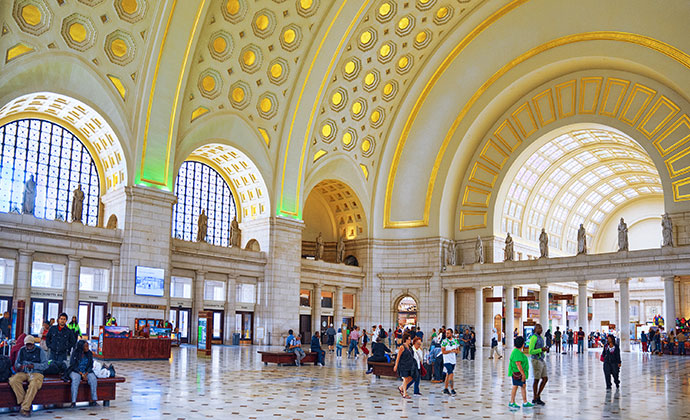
x: 197, y: 187
x: 59, y: 162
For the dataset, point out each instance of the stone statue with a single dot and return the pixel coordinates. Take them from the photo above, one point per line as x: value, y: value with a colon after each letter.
x: 479, y: 251
x: 202, y: 226
x: 29, y: 196
x: 543, y: 244
x: 340, y: 250
x: 666, y: 230
x: 319, y: 247
x: 77, y: 204
x: 508, y: 251
x: 112, y: 222
x: 450, y: 257
x: 235, y: 233
x: 622, y: 235
x: 581, y: 240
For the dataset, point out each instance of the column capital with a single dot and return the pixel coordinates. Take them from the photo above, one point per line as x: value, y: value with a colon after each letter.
x: 624, y: 280
x: 340, y: 288
x: 75, y: 258
x: 233, y: 277
x: 582, y: 282
x: 450, y: 289
x: 115, y: 262
x: 200, y: 272
x: 668, y: 278
x: 26, y: 252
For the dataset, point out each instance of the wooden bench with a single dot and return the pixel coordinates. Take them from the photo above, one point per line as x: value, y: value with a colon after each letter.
x: 383, y: 369
x: 57, y: 391
x: 286, y: 357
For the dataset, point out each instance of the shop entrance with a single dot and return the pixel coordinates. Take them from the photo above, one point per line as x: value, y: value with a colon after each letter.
x: 305, y: 328
x: 326, y: 321
x: 43, y: 310
x: 407, y: 312
x: 179, y: 318
x: 244, y: 323
x: 91, y: 317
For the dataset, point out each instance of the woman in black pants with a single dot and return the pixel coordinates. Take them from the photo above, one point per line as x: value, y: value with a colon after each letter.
x: 612, y: 361
x: 378, y: 353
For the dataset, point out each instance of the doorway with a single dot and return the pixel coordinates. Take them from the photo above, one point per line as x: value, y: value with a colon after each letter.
x: 244, y: 323
x: 179, y: 318
x: 326, y: 321
x: 218, y: 325
x: 407, y: 312
x: 5, y: 304
x: 305, y: 328
x: 43, y: 310
x: 91, y: 317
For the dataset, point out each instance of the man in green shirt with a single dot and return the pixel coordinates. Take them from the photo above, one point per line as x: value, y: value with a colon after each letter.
x: 537, y: 349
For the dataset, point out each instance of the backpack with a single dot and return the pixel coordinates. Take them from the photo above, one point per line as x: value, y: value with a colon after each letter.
x: 5, y: 368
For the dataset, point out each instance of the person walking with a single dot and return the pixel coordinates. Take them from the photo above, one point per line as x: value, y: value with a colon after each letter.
x: 404, y: 364
x: 611, y: 356
x: 365, y: 340
x: 537, y: 350
x: 418, y: 358
x: 354, y: 342
x: 682, y: 339
x: 81, y: 369
x: 30, y: 364
x: 330, y: 332
x: 557, y: 339
x: 339, y: 344
x: 570, y: 340
x: 643, y: 341
x: 548, y: 338
x: 60, y: 340
x: 518, y: 370
x: 465, y: 344
x: 450, y: 347
x: 494, y: 344
x: 473, y: 344
x: 316, y: 348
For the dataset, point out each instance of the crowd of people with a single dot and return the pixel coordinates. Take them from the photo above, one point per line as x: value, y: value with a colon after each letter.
x: 59, y: 351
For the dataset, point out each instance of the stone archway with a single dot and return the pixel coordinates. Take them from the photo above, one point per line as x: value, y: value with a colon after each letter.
x: 406, y: 311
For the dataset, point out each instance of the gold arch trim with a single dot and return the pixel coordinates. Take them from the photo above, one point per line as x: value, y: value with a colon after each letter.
x: 642, y: 40
x: 72, y: 129
x: 315, y: 106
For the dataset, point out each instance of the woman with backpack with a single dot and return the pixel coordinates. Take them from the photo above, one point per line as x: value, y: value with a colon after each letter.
x: 494, y: 344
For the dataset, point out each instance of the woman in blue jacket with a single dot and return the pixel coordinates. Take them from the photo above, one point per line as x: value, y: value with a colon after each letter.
x: 81, y: 369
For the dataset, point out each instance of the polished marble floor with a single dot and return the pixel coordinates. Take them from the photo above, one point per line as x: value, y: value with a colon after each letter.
x: 233, y: 383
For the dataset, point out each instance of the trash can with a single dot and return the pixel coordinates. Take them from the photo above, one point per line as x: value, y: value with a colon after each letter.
x: 236, y: 339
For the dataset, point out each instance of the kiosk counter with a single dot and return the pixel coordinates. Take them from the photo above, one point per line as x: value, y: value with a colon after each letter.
x: 118, y: 343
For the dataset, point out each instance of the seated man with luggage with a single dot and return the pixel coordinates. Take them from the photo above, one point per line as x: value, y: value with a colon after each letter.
x: 30, y: 364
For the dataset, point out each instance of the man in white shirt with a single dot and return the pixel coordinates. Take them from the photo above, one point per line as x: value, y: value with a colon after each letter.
x: 450, y: 347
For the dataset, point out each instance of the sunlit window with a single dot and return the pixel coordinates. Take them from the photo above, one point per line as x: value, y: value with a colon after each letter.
x: 57, y: 160
x: 199, y: 187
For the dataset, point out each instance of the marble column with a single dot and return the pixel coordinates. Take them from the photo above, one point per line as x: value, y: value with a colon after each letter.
x: 582, y: 315
x: 509, y: 316
x: 564, y: 315
x: 670, y: 303
x: 70, y: 294
x: 316, y: 310
x: 22, y: 286
x: 642, y: 309
x: 544, y: 306
x: 230, y: 305
x: 198, y: 302
x: 450, y: 308
x: 624, y: 321
x: 479, y: 315
x: 114, y: 293
x: 338, y: 310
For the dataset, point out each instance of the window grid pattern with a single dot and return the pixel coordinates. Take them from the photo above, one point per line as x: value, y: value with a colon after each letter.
x: 59, y: 162
x: 197, y: 187
x: 578, y: 177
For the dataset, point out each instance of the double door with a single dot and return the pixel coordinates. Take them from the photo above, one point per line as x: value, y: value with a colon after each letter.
x: 42, y: 310
x: 244, y: 324
x: 218, y: 324
x: 179, y: 318
x: 91, y: 318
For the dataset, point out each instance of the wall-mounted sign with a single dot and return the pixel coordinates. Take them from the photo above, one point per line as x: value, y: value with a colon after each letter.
x: 562, y: 297
x: 139, y: 306
x: 46, y: 294
x: 497, y: 299
x: 529, y: 298
x: 604, y: 295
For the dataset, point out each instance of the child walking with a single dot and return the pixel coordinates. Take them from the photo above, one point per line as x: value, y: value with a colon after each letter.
x: 518, y: 370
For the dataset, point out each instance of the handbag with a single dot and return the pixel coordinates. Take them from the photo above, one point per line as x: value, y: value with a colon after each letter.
x: 423, y: 371
x: 601, y: 357
x: 517, y: 376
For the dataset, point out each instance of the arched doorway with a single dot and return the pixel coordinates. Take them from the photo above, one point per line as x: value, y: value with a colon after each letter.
x: 407, y: 311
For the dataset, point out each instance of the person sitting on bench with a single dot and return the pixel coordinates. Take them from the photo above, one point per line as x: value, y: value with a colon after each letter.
x: 316, y: 348
x: 295, y: 346
x: 81, y: 369
x: 30, y: 364
x: 378, y: 354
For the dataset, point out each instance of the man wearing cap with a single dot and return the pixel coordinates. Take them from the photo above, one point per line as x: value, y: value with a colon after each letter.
x: 30, y: 364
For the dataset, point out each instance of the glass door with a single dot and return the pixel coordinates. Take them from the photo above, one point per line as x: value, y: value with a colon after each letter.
x: 91, y: 317
x: 179, y: 318
x: 244, y: 323
x: 217, y: 327
x: 43, y: 310
x: 5, y: 305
